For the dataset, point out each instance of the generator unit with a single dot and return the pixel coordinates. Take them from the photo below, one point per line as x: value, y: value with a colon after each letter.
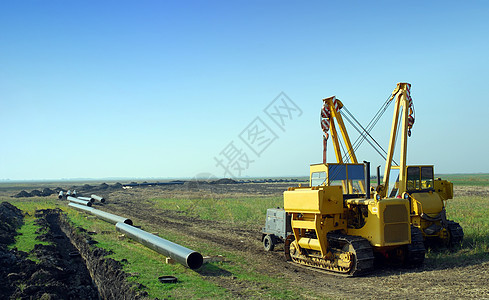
x: 277, y: 228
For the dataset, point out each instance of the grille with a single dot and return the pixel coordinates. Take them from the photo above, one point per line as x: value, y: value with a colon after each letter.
x: 396, y: 233
x: 396, y: 213
x: 396, y: 224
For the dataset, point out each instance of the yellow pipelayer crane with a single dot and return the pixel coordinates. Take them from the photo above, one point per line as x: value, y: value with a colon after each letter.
x: 336, y: 224
x: 416, y: 183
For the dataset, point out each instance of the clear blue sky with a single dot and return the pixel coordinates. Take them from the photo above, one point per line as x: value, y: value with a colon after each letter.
x: 96, y: 89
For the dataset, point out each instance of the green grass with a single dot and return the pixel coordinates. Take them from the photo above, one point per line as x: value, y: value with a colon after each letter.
x: 148, y: 265
x: 242, y: 211
x: 467, y: 179
x: 471, y: 212
x: 26, y: 240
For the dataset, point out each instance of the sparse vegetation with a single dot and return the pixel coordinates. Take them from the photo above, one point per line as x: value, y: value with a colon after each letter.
x: 26, y: 239
x: 468, y: 179
x: 229, y: 224
x: 240, y: 210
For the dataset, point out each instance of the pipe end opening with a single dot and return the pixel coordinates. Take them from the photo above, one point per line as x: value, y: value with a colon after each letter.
x: 195, y: 260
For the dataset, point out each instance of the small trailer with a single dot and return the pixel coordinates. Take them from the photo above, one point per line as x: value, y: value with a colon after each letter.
x: 277, y: 228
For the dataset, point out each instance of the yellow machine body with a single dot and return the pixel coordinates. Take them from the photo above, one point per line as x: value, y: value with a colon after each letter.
x: 336, y: 202
x: 426, y: 195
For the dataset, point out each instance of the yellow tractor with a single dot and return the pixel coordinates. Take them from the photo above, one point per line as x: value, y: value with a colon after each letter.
x: 416, y: 183
x: 339, y: 223
x: 338, y: 227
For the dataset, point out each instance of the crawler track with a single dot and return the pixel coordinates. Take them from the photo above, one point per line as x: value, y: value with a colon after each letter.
x: 416, y: 250
x: 456, y: 234
x: 355, y: 251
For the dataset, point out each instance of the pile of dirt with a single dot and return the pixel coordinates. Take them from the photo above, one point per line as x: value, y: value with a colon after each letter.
x: 11, y: 218
x: 87, y: 189
x: 35, y: 193
x: 57, y: 275
x: 70, y: 267
x: 224, y: 181
x: 22, y: 194
x: 106, y: 272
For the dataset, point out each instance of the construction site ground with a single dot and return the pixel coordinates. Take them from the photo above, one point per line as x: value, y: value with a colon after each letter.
x: 438, y: 278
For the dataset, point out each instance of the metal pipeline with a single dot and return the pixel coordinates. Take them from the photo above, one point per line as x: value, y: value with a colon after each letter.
x: 111, y: 218
x: 73, y: 199
x: 185, y: 256
x: 86, y: 199
x: 81, y: 207
x: 60, y: 195
x: 98, y: 198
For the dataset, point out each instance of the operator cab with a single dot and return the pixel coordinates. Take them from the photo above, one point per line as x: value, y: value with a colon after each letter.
x: 419, y: 179
x: 350, y: 176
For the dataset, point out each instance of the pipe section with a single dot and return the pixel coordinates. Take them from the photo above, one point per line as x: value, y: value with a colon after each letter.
x: 185, y: 256
x: 81, y: 207
x: 86, y: 199
x: 98, y: 198
x: 73, y: 199
x: 111, y: 218
x: 108, y: 217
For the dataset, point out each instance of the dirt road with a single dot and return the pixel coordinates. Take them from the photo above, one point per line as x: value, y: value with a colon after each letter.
x: 454, y: 279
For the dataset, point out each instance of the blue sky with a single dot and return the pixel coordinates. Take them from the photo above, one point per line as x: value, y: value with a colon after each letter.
x: 96, y: 89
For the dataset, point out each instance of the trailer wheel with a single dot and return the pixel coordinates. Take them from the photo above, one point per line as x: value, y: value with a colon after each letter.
x: 268, y: 243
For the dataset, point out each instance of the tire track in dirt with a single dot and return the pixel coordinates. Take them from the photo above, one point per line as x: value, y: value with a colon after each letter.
x: 454, y: 281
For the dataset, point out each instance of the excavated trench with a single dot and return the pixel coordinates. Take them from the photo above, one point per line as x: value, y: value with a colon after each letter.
x: 70, y: 267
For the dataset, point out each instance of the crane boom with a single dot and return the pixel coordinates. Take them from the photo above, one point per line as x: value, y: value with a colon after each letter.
x: 402, y: 115
x: 330, y: 113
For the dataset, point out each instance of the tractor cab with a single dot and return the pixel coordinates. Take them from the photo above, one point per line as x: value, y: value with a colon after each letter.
x: 351, y: 177
x: 420, y: 179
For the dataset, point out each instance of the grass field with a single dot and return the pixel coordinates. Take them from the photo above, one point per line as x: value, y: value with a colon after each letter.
x: 468, y: 179
x: 146, y: 265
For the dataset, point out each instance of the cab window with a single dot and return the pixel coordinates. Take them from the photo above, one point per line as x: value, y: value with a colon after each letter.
x: 318, y: 178
x: 356, y: 178
x: 427, y: 177
x: 413, y: 182
x: 337, y: 174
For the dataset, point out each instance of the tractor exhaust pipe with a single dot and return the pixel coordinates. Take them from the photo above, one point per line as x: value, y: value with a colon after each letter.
x: 185, y: 256
x: 367, y: 179
x: 76, y: 200
x: 108, y: 217
x: 378, y: 175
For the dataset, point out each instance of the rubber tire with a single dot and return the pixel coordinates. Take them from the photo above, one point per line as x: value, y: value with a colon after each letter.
x: 268, y: 243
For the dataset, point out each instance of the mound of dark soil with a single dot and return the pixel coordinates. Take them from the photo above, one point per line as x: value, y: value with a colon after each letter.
x: 117, y: 185
x: 70, y: 267
x: 22, y: 194
x: 224, y: 181
x: 103, y: 186
x: 11, y: 218
x: 48, y: 192
x: 36, y: 193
